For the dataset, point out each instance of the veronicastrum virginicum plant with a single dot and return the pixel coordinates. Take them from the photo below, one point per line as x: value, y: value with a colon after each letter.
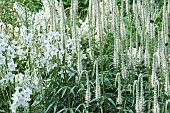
x: 55, y: 61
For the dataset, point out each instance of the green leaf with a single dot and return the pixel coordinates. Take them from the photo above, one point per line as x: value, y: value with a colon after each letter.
x: 2, y: 111
x: 64, y: 90
x: 77, y: 109
x: 111, y: 101
x: 72, y: 90
x: 63, y: 110
x: 71, y: 110
x: 55, y: 108
x: 49, y: 107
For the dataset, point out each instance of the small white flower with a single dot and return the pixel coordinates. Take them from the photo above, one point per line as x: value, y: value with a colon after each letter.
x: 3, y: 45
x: 2, y: 59
x: 9, y: 77
x: 15, y: 97
x: 16, y: 29
x: 19, y: 9
x: 80, y: 21
x: 23, y: 103
x: 15, y: 6
x: 11, y: 65
x: 22, y: 100
x: 134, y: 52
x: 13, y: 107
x: 17, y: 89
x: 9, y: 26
x: 2, y: 81
x: 27, y: 92
x: 19, y: 78
x: 14, y: 42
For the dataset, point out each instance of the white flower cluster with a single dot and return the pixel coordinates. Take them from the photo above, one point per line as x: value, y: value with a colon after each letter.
x: 25, y: 81
x: 21, y: 97
x: 12, y: 48
x: 3, y: 45
x: 7, y: 54
x: 37, y: 47
x: 25, y: 84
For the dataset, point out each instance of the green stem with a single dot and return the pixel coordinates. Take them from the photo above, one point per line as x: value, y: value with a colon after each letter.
x: 30, y: 106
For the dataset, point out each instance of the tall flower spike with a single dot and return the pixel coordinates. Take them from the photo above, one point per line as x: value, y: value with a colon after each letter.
x: 141, y: 101
x: 147, y: 58
x: 127, y: 7
x: 102, y: 10
x: 119, y: 99
x: 166, y: 76
x: 136, y: 86
x: 98, y: 89
x: 73, y: 13
x: 116, y: 52
x: 156, y: 94
x: 62, y: 27
x: 53, y: 14
x: 88, y: 94
x: 98, y: 27
x: 124, y: 70
x: 113, y: 7
x: 90, y: 26
x: 155, y: 65
x: 168, y: 7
